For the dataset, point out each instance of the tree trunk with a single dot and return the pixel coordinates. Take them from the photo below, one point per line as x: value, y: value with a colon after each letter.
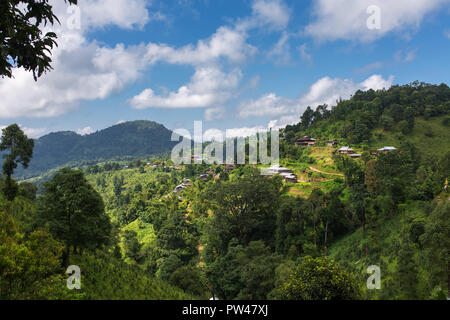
x: 67, y: 257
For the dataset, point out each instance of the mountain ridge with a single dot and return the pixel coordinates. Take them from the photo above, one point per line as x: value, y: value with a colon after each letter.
x: 132, y: 138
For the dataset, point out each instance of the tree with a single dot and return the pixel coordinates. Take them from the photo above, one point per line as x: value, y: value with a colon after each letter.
x: 28, y: 190
x: 406, y: 274
x: 21, y: 40
x: 244, y: 208
x: 118, y: 184
x: 30, y: 269
x: 319, y: 279
x: 307, y: 117
x: 74, y: 212
x: 20, y: 151
x: 131, y: 245
x: 244, y: 273
x: 257, y: 265
x: 190, y: 279
x: 437, y: 244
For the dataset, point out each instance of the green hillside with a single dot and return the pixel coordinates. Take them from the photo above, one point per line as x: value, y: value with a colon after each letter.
x: 186, y: 231
x: 104, y: 276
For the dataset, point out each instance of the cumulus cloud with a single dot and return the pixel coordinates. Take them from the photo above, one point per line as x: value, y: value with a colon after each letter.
x: 347, y: 19
x: 83, y: 69
x: 325, y: 91
x: 126, y: 14
x: 208, y: 86
x: 211, y: 87
x: 226, y: 42
x: 268, y: 105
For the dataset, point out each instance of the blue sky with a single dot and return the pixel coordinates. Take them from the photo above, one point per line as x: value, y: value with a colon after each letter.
x: 237, y: 65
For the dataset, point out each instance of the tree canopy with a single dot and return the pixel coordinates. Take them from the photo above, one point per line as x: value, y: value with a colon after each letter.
x: 22, y: 42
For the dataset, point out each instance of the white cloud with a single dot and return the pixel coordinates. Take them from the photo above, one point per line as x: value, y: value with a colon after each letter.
x: 126, y: 14
x: 83, y: 69
x: 271, y: 12
x: 244, y: 131
x: 267, y: 105
x: 85, y: 131
x: 226, y: 43
x: 88, y: 70
x: 325, y: 91
x: 208, y: 86
x: 347, y: 19
x: 33, y: 133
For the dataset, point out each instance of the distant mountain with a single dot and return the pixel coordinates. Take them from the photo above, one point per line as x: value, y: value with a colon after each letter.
x: 134, y: 138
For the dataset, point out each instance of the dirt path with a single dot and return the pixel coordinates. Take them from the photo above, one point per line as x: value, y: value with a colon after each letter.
x: 323, y: 172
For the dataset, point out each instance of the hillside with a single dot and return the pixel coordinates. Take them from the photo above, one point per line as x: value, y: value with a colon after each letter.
x: 129, y: 139
x: 232, y: 232
x: 105, y: 277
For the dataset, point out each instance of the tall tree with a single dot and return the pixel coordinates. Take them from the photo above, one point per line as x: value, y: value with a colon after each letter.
x: 74, y: 212
x: 244, y: 208
x: 436, y: 240
x: 22, y: 43
x: 20, y: 150
x: 319, y: 279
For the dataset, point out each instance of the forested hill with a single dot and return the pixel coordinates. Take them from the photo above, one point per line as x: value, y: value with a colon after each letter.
x: 417, y: 113
x: 136, y: 138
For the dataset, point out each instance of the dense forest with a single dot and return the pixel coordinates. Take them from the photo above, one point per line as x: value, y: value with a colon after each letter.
x: 147, y: 229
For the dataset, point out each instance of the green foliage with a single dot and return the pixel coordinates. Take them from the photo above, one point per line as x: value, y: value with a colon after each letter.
x: 106, y: 278
x: 244, y: 272
x: 243, y: 209
x: 132, y: 246
x: 319, y: 279
x: 27, y: 190
x: 190, y: 279
x: 20, y: 150
x: 74, y: 212
x: 21, y: 39
x: 406, y: 273
x: 436, y: 240
x: 30, y: 268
